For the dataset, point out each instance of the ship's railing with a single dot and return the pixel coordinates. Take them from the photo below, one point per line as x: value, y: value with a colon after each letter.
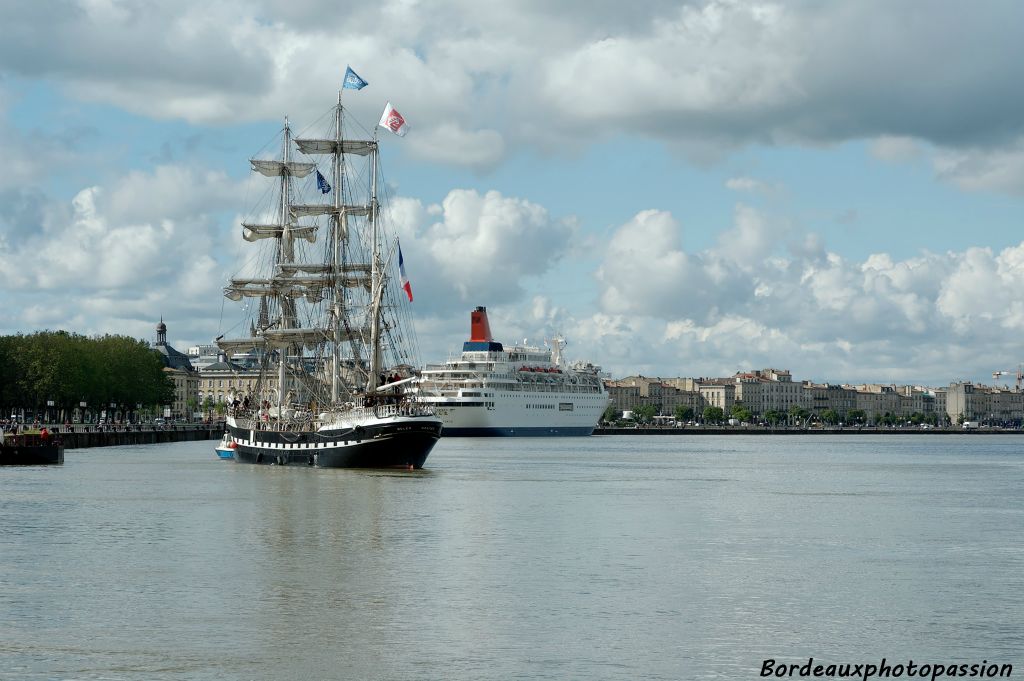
x: 256, y: 419
x: 386, y: 410
x: 260, y: 420
x: 452, y: 388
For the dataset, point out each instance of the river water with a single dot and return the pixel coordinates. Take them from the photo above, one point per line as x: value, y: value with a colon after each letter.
x: 609, y: 557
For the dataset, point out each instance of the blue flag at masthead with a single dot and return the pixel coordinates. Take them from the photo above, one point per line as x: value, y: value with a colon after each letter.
x: 352, y: 80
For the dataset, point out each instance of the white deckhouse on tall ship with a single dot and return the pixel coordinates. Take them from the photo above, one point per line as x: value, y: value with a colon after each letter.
x: 518, y: 391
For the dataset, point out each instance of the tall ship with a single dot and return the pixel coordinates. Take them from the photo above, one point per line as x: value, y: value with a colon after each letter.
x: 327, y: 324
x: 491, y: 390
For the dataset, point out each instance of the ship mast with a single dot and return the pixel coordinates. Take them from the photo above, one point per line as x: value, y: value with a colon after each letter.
x: 286, y: 255
x: 281, y: 285
x: 337, y: 259
x: 337, y: 272
x: 376, y: 277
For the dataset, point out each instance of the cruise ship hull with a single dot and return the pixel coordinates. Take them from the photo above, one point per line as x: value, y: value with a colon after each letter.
x: 550, y: 415
x: 520, y: 431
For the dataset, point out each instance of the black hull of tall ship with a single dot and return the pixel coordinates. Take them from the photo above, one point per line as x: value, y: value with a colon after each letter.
x: 404, y: 445
x: 31, y: 455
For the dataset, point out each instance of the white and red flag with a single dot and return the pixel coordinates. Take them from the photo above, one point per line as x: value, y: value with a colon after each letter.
x: 393, y: 121
x: 406, y: 286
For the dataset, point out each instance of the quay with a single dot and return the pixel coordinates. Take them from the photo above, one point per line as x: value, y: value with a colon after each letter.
x: 80, y: 436
x: 760, y: 430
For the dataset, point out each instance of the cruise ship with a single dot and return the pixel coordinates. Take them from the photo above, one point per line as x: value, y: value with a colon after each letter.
x: 519, y: 391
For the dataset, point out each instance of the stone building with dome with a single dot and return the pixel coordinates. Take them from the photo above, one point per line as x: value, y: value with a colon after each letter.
x: 180, y: 370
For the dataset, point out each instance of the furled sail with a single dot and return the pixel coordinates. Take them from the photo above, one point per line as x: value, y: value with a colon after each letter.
x: 323, y: 146
x: 272, y: 168
x: 324, y: 279
x: 314, y: 268
x: 313, y: 275
x: 269, y: 231
x: 233, y: 346
x: 307, y: 209
x: 310, y: 288
x: 311, y: 336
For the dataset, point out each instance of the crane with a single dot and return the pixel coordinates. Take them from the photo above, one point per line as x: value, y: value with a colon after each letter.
x: 1019, y: 374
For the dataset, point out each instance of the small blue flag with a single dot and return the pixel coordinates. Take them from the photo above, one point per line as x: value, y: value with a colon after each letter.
x: 352, y: 80
x: 321, y: 183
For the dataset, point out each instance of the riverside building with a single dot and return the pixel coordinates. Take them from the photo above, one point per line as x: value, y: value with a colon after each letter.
x: 178, y: 367
x: 764, y: 390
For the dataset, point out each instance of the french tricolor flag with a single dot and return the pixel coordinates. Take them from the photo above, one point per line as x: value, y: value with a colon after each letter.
x: 406, y: 286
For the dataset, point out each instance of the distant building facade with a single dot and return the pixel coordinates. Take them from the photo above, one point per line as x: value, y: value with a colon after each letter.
x: 202, y: 356
x: 765, y: 390
x: 768, y: 390
x: 987, y: 404
x: 178, y: 367
x: 635, y: 391
x: 719, y: 393
x: 224, y: 379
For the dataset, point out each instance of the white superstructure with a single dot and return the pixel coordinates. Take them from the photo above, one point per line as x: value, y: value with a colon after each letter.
x: 518, y: 391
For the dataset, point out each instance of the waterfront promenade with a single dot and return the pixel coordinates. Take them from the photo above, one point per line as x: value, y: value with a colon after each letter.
x: 80, y: 436
x: 782, y: 430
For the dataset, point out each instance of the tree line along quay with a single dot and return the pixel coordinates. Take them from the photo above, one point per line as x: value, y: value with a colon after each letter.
x: 60, y: 377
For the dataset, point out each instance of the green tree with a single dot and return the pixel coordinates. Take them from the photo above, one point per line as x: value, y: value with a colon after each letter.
x: 69, y: 369
x: 830, y: 416
x: 684, y: 413
x: 740, y: 413
x: 773, y: 416
x: 645, y: 412
x: 797, y: 415
x: 857, y: 416
x: 611, y: 413
x: 714, y: 415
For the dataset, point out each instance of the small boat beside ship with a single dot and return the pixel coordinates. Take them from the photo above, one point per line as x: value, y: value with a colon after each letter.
x: 225, y: 449
x: 491, y: 390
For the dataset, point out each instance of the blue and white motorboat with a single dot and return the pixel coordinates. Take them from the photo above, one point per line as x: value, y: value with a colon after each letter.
x: 226, y: 448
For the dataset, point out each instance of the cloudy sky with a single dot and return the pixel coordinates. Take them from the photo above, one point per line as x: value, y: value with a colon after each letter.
x: 679, y: 188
